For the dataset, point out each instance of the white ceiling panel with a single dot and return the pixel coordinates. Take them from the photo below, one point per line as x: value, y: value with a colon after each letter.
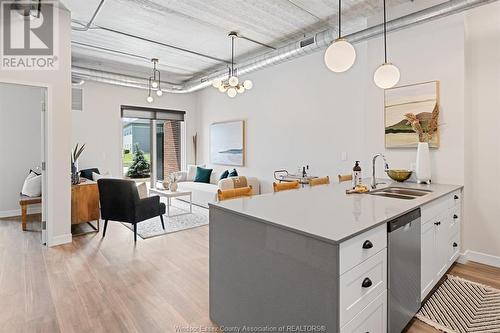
x: 202, y: 27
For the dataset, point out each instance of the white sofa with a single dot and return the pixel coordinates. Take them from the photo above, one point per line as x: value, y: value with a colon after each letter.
x: 204, y: 193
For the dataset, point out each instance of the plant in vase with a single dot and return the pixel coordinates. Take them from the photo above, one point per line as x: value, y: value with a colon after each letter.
x: 423, y: 163
x: 75, y: 177
x: 173, y: 179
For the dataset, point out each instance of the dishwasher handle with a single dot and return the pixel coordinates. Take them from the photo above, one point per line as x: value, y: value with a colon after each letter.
x: 403, y: 220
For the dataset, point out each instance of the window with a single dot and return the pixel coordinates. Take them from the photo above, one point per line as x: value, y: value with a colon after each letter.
x: 155, y: 138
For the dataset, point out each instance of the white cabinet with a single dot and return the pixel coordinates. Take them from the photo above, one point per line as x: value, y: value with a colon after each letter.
x: 440, y: 237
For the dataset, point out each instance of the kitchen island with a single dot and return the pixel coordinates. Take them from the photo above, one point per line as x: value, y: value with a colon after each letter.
x: 292, y: 260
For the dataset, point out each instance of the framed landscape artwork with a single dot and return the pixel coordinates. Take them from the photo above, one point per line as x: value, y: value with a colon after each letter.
x: 422, y: 100
x: 227, y: 143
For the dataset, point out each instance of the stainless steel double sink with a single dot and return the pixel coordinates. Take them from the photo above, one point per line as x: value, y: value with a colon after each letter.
x: 400, y: 193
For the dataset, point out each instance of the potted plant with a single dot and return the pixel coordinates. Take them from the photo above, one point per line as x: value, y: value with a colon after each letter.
x: 423, y: 163
x: 75, y: 177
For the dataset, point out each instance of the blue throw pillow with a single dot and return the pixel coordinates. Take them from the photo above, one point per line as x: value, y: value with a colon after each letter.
x: 233, y: 173
x: 224, y: 175
x: 202, y: 175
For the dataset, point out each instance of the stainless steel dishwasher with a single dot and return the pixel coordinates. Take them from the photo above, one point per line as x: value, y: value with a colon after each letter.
x: 404, y: 270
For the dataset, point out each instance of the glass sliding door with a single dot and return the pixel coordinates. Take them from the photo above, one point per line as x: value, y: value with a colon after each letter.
x: 152, y: 143
x: 136, y: 150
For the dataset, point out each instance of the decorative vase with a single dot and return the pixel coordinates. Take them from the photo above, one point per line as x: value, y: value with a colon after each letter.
x: 423, y: 167
x: 173, y: 187
x: 75, y: 177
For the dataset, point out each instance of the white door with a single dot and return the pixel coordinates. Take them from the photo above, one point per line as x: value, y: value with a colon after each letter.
x: 44, y: 165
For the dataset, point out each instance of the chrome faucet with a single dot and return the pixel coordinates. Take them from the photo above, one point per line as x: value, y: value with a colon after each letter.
x: 386, y: 166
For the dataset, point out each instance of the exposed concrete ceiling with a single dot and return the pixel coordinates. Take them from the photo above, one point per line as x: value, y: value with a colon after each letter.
x: 200, y: 26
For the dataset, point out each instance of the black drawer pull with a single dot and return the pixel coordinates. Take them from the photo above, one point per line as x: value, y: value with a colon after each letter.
x: 367, y: 283
x: 367, y: 244
x: 456, y: 197
x: 455, y: 244
x: 437, y: 223
x: 455, y: 216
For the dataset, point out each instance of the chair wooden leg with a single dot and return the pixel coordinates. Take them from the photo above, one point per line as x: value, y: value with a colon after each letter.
x: 135, y: 232
x: 162, y: 223
x: 105, y: 227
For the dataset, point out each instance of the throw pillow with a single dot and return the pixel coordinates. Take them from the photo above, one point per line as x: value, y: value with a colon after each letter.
x: 32, y: 186
x: 233, y: 173
x: 191, y: 172
x: 142, y: 188
x: 224, y: 175
x: 202, y: 175
x: 88, y: 173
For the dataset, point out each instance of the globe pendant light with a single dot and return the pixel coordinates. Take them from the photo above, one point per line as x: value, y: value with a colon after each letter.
x: 154, y: 82
x: 232, y: 85
x: 387, y: 75
x: 340, y: 55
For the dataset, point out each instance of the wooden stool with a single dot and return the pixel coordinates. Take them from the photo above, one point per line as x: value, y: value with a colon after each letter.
x: 24, y: 202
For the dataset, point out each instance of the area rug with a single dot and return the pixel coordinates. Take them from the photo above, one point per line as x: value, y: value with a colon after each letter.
x: 462, y: 306
x: 180, y: 219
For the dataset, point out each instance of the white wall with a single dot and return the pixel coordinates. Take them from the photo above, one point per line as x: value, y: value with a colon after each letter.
x: 20, y: 147
x: 298, y: 113
x: 482, y: 139
x: 301, y: 113
x: 427, y: 52
x: 59, y: 132
x: 99, y: 126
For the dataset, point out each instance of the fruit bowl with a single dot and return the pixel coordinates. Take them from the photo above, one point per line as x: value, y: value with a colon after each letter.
x: 399, y: 175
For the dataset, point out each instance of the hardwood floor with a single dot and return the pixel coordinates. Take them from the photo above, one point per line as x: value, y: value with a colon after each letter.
x: 110, y: 285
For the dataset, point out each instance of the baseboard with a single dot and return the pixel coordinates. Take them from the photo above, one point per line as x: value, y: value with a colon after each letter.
x: 17, y: 212
x: 479, y: 257
x: 60, y: 240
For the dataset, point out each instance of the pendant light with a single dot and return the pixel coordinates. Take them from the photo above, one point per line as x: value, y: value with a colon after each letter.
x: 154, y: 82
x: 340, y: 55
x: 232, y: 85
x: 387, y: 75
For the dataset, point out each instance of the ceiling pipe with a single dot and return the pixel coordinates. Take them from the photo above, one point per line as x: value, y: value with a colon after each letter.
x: 119, y: 79
x: 310, y: 45
x: 87, y: 26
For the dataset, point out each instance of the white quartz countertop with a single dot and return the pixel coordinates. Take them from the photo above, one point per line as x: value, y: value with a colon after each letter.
x: 327, y: 212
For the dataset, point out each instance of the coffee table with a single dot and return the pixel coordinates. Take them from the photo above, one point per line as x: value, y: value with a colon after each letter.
x: 169, y: 195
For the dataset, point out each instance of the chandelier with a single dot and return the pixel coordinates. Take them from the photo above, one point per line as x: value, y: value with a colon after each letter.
x: 154, y: 82
x: 232, y: 85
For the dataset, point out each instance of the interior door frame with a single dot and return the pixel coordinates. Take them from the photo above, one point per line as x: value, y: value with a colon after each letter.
x: 44, y: 109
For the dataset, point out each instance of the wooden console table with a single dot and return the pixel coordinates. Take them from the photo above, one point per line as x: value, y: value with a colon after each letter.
x: 85, y: 204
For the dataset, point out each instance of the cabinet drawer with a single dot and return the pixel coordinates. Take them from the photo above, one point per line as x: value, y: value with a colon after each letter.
x: 455, y: 221
x: 435, y: 208
x: 372, y: 319
x: 453, y: 248
x: 356, y: 250
x: 457, y: 199
x: 361, y: 285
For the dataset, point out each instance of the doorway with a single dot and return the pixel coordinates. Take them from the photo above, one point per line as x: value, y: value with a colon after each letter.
x: 23, y: 150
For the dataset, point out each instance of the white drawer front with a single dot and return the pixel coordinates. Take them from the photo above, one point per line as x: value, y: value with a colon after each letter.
x: 372, y: 319
x: 454, y: 221
x: 354, y: 297
x: 457, y: 199
x: 435, y: 208
x: 356, y: 250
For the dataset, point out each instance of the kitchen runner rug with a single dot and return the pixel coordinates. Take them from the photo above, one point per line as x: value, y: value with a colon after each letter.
x: 462, y: 306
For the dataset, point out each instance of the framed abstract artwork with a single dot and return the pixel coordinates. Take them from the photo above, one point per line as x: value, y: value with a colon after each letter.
x: 421, y: 100
x: 227, y: 143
